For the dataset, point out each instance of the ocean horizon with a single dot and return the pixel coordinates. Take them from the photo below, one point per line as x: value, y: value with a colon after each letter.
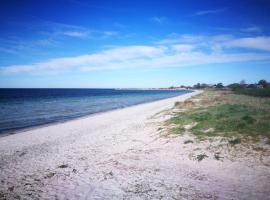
x: 23, y: 108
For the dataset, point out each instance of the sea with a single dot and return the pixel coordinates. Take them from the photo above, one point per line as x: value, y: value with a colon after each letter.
x: 25, y: 108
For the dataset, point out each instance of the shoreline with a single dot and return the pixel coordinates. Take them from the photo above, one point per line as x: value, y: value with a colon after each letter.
x: 181, y: 97
x: 124, y: 154
x: 29, y: 128
x: 36, y: 163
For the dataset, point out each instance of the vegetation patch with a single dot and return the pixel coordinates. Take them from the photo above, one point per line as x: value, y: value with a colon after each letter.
x: 263, y: 92
x: 235, y: 141
x: 200, y: 157
x: 188, y: 141
x: 227, y: 115
x: 217, y: 156
x: 63, y: 166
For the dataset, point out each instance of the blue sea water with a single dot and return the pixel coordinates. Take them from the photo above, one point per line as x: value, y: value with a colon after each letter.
x: 24, y: 108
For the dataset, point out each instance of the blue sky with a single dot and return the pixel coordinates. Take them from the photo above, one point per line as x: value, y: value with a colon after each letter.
x: 105, y: 44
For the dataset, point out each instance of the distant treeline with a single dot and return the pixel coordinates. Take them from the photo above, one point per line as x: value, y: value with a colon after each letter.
x: 260, y: 89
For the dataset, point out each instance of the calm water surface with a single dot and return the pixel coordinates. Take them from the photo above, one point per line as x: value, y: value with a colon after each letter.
x: 24, y: 108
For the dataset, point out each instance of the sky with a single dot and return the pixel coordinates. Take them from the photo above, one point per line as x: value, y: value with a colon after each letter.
x: 132, y: 44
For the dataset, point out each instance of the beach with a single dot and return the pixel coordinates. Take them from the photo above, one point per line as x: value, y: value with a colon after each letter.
x: 120, y: 154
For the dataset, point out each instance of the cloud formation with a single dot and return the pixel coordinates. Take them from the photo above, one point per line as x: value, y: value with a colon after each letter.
x: 179, y: 51
x: 159, y: 20
x: 79, y: 34
x: 260, y: 43
x: 252, y: 29
x: 207, y: 12
x: 50, y: 34
x: 58, y: 29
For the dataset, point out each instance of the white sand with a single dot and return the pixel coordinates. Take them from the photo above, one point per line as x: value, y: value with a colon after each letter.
x: 121, y: 155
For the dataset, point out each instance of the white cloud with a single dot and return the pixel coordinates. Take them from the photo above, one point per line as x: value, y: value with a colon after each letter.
x: 182, y: 47
x: 253, y: 29
x: 219, y: 41
x: 79, y: 34
x: 109, y: 33
x: 94, y: 34
x: 207, y: 12
x: 8, y: 50
x: 49, y: 34
x: 186, y: 51
x: 159, y: 20
x: 55, y: 29
x: 185, y: 39
x: 16, y: 45
x: 101, y: 60
x: 260, y: 43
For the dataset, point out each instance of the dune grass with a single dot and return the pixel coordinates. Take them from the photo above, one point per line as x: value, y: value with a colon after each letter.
x: 225, y: 114
x: 263, y: 92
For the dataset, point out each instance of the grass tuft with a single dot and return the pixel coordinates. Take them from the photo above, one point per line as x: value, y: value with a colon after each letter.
x: 188, y: 141
x: 200, y: 157
x: 217, y: 156
x: 63, y: 166
x: 235, y: 141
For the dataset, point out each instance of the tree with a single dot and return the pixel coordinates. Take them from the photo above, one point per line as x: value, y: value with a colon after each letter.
x: 234, y: 86
x: 219, y: 85
x: 263, y: 83
x: 251, y: 86
x: 243, y: 82
x: 204, y: 85
x: 197, y: 86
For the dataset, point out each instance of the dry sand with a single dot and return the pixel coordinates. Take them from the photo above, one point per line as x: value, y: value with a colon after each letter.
x: 121, y: 155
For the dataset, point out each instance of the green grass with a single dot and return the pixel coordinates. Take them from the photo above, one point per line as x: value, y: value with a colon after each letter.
x: 265, y: 92
x: 227, y: 116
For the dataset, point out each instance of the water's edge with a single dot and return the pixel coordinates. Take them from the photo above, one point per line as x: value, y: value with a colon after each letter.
x: 33, y: 127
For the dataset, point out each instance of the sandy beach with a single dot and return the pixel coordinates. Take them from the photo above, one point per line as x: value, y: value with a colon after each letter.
x: 121, y: 154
